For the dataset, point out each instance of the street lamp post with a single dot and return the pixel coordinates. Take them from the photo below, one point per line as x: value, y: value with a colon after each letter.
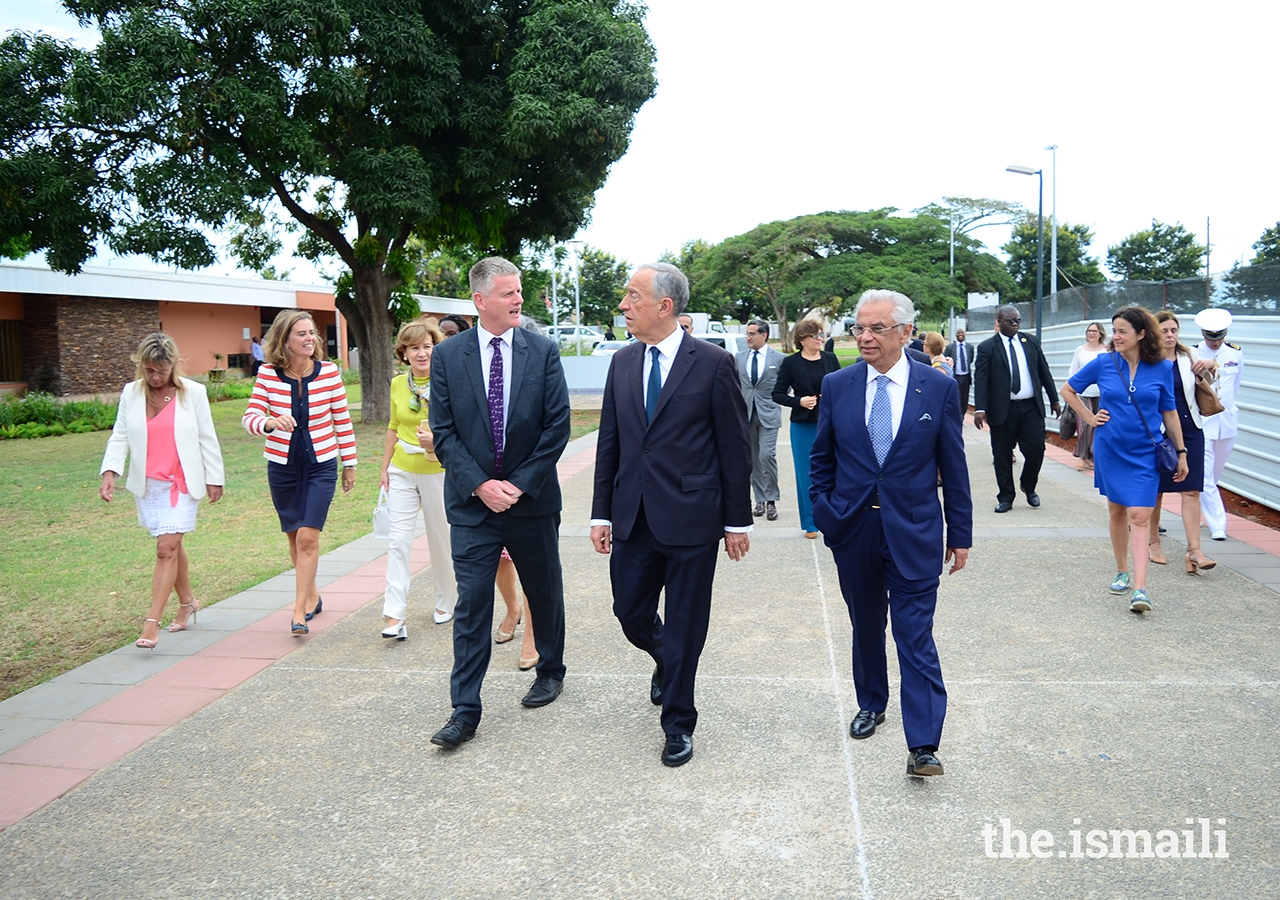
x: 577, y: 298
x: 1027, y: 170
x: 1053, y: 223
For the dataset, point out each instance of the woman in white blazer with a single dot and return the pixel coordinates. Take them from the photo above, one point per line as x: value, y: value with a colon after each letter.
x: 163, y: 423
x: 1187, y: 369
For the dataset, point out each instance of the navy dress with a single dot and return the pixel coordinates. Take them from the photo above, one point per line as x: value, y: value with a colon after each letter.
x: 1193, y: 440
x: 1124, y: 458
x: 302, y: 488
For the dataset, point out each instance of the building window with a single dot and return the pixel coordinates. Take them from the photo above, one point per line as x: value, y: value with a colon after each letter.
x: 10, y: 351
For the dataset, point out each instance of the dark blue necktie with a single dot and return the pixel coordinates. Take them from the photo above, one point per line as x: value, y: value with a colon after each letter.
x: 655, y: 385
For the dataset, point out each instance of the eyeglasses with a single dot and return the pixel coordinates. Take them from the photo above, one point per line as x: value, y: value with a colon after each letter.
x: 1012, y: 320
x: 877, y: 330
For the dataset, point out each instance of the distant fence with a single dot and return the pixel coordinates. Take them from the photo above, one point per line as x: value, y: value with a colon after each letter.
x: 1252, y: 294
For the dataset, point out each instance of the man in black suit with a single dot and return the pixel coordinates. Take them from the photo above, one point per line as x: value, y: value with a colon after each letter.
x: 673, y: 477
x: 962, y: 362
x: 1010, y: 372
x: 500, y: 414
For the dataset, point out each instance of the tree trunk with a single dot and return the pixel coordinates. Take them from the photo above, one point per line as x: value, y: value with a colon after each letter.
x: 375, y: 338
x: 781, y: 315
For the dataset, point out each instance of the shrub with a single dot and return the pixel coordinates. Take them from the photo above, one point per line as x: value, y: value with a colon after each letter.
x: 42, y: 415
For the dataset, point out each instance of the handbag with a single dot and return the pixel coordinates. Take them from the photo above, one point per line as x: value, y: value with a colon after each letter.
x: 1207, y: 399
x: 382, y: 516
x: 1067, y: 423
x: 1166, y: 455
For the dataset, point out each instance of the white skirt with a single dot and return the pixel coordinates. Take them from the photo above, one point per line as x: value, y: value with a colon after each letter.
x: 158, y: 517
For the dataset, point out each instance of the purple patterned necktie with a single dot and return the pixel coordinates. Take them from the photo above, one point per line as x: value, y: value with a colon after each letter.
x: 495, y: 404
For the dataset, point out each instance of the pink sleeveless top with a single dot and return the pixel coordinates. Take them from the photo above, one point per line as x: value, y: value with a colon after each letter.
x: 162, y: 452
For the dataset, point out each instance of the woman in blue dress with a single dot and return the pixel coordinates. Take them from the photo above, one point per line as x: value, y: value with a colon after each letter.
x: 1135, y: 385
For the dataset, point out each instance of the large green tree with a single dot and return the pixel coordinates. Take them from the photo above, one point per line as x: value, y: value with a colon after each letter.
x: 1268, y: 246
x: 602, y: 280
x: 1161, y: 252
x: 1075, y: 266
x: 826, y: 260
x: 487, y: 126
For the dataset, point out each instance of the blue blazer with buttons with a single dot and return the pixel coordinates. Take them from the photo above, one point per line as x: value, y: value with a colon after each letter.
x: 845, y: 479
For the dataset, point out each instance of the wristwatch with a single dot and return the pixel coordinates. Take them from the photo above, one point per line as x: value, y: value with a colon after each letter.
x: 1183, y: 450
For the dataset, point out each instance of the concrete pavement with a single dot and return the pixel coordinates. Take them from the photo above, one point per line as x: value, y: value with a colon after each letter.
x: 313, y: 777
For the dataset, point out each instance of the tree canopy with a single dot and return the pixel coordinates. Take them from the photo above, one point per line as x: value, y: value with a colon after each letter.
x: 1161, y: 252
x: 478, y: 127
x: 1075, y: 266
x: 1268, y: 246
x: 825, y: 261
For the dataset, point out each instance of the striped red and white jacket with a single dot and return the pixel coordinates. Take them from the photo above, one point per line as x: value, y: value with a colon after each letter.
x: 329, y: 419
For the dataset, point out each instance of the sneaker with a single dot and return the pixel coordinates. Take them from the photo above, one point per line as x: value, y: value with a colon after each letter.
x: 1140, y: 603
x: 1121, y: 584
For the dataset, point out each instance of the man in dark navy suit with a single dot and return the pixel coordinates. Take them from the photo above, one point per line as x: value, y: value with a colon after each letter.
x: 500, y: 414
x: 887, y: 431
x: 673, y: 478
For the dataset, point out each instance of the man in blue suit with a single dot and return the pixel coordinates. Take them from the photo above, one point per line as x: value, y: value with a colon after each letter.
x: 500, y: 414
x: 673, y: 477
x: 886, y: 431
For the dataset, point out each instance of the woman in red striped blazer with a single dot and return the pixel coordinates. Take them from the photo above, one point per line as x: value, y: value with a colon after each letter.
x: 300, y: 404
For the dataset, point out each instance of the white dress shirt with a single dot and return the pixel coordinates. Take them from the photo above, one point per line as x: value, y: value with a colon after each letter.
x: 1024, y: 374
x: 667, y: 349
x: 486, y: 360
x: 896, y: 389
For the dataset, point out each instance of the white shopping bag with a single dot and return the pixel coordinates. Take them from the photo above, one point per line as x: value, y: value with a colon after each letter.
x: 382, y: 516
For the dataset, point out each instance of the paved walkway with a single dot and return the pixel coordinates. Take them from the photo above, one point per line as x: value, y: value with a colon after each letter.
x: 238, y: 760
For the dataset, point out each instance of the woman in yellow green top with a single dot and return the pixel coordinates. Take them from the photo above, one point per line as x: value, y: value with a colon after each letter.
x: 414, y: 480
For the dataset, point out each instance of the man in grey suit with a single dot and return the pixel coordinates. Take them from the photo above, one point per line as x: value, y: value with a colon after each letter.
x: 500, y: 414
x: 757, y: 372
x: 962, y: 363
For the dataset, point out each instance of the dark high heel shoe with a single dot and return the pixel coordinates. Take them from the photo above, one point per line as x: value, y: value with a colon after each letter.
x: 319, y: 608
x: 299, y: 628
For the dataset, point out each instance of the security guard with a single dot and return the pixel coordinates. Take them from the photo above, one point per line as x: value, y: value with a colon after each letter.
x: 1219, y: 430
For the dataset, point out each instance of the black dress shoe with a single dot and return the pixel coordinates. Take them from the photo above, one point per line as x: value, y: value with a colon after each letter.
x: 771, y: 511
x: 678, y: 750
x: 864, y: 724
x: 758, y: 510
x: 655, y: 686
x: 453, y: 734
x: 921, y: 763
x: 1033, y: 500
x: 1003, y: 506
x: 545, y: 689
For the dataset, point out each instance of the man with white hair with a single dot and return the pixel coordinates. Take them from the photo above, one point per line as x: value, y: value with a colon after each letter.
x: 887, y: 431
x: 1219, y: 430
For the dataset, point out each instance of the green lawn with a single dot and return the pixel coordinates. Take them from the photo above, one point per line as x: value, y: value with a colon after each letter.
x: 77, y: 572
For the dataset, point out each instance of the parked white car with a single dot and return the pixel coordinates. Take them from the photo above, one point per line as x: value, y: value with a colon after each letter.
x: 608, y: 348
x: 567, y: 335
x: 734, y: 343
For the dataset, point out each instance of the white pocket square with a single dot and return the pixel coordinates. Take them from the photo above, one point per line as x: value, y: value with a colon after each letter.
x: 925, y: 417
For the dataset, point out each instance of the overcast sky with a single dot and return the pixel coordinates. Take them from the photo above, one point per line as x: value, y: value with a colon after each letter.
x: 773, y: 110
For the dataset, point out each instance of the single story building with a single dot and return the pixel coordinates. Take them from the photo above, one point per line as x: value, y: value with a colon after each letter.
x: 74, y: 334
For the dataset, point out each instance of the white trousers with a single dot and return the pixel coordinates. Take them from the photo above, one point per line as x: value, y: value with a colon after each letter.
x: 1215, y: 461
x: 406, y: 494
